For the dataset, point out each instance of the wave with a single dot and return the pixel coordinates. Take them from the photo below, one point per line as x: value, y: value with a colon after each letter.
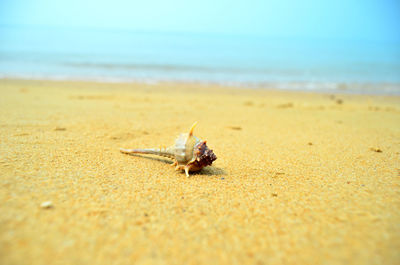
x: 379, y: 88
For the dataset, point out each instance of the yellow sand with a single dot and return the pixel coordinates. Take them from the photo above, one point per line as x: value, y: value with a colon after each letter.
x: 300, y: 178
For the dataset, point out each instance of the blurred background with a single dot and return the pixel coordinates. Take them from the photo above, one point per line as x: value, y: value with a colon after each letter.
x: 341, y: 45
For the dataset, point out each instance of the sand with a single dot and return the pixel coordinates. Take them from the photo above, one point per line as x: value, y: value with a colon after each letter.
x: 301, y: 178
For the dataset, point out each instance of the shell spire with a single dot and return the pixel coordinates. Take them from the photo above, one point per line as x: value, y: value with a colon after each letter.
x: 192, y: 129
x: 189, y: 152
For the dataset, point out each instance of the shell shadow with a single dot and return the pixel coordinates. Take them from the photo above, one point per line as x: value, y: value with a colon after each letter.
x: 209, y: 171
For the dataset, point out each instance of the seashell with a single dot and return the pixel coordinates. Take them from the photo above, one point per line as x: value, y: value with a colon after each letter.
x: 189, y: 152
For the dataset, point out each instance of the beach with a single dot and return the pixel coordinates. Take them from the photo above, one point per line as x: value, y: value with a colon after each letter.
x: 301, y: 178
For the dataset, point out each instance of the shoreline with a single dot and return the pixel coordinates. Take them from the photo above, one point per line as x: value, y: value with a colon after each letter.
x: 351, y: 88
x: 300, y: 178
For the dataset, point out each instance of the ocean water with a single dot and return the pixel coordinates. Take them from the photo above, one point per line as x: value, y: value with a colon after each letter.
x: 249, y: 61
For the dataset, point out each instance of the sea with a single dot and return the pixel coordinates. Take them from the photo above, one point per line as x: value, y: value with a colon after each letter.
x: 288, y: 63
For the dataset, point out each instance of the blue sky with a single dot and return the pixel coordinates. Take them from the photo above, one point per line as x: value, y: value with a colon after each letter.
x: 340, y: 19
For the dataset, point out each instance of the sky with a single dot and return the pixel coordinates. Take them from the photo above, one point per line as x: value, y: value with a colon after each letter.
x: 370, y: 20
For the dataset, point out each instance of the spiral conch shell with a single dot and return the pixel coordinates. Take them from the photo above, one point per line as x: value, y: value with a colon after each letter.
x: 189, y: 152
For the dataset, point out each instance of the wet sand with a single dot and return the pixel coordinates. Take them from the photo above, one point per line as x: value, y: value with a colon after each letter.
x: 300, y: 178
